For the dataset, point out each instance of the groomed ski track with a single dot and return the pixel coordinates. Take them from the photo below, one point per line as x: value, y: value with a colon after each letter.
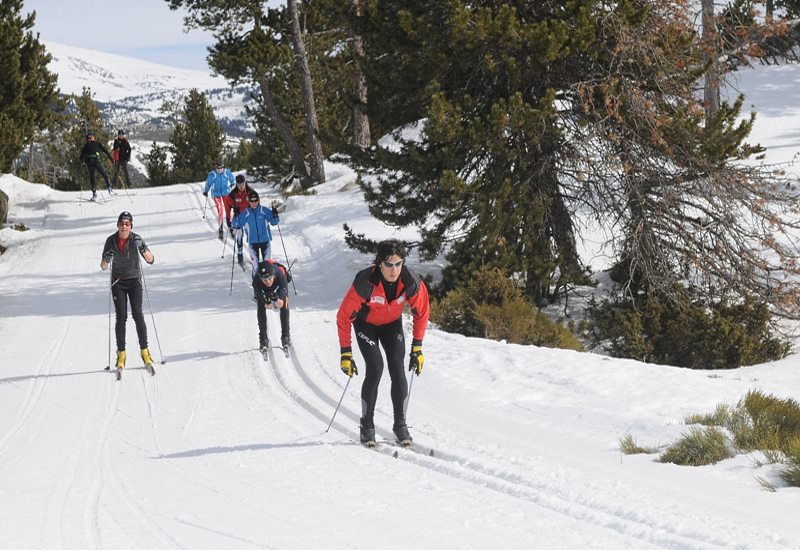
x: 223, y: 450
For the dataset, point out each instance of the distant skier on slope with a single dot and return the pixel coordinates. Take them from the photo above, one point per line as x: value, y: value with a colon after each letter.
x: 271, y: 289
x: 235, y: 203
x: 122, y: 250
x: 221, y: 180
x: 255, y: 221
x: 89, y: 157
x: 121, y: 151
x: 373, y: 306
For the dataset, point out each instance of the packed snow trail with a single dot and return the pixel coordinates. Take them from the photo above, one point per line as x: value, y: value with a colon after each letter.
x: 224, y: 450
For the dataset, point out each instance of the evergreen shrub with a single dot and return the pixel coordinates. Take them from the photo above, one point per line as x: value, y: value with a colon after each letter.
x: 491, y: 305
x: 680, y: 332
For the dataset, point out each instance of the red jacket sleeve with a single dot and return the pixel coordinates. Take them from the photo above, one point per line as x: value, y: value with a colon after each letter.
x: 348, y: 309
x: 421, y: 310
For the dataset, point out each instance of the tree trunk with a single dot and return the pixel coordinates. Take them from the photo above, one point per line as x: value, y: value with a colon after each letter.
x: 361, y: 133
x: 710, y: 56
x: 295, y: 151
x: 316, y: 160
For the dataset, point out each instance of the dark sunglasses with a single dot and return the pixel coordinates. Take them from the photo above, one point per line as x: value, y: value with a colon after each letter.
x: 254, y: 200
x: 390, y: 265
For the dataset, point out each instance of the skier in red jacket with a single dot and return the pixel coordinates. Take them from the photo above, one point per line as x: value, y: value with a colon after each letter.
x: 373, y: 306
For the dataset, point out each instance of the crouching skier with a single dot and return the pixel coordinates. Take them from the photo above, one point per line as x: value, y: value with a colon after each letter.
x: 374, y: 305
x: 271, y: 289
x: 122, y: 250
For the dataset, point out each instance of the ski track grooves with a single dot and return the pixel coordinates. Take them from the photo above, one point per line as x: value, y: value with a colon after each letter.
x: 40, y: 379
x: 647, y: 530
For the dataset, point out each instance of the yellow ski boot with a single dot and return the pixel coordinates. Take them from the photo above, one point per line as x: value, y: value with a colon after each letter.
x: 148, y: 361
x: 121, y: 359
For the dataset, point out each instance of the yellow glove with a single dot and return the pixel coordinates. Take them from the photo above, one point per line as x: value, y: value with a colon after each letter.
x: 347, y: 364
x: 417, y: 360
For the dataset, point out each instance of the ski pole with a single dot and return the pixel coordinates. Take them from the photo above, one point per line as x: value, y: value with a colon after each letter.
x: 233, y: 259
x: 225, y: 244
x: 110, y: 286
x: 408, y: 396
x: 150, y: 306
x: 125, y: 187
x: 285, y: 255
x: 337, y: 406
x: 204, y: 206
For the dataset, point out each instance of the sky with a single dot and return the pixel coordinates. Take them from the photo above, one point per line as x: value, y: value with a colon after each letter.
x: 515, y: 447
x: 144, y: 29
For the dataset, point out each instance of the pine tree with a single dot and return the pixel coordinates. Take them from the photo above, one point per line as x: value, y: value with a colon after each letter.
x: 28, y: 91
x: 529, y: 112
x: 158, y: 172
x: 68, y: 136
x: 197, y: 141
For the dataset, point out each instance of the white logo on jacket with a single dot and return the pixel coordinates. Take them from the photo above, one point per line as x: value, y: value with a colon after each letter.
x: 377, y: 300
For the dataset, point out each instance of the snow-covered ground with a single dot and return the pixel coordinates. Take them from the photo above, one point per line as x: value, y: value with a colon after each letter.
x: 222, y: 450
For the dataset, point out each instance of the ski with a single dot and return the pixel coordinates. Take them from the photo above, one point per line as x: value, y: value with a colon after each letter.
x: 265, y: 353
x: 119, y: 374
x: 150, y: 369
x: 286, y: 351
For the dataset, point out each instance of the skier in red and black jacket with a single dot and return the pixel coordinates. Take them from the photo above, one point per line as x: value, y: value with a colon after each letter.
x: 236, y: 202
x: 373, y: 306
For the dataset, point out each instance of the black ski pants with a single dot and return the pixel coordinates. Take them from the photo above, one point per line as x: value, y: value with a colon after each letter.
x: 98, y: 166
x: 124, y: 165
x: 261, y: 315
x: 121, y: 291
x: 393, y: 341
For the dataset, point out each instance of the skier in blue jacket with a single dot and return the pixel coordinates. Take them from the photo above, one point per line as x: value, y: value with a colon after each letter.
x: 255, y: 221
x: 221, y: 179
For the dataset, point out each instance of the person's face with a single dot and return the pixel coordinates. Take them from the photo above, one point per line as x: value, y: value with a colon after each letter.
x: 125, y: 228
x: 391, y: 267
x: 240, y: 185
x: 220, y: 169
x: 253, y: 203
x: 268, y: 280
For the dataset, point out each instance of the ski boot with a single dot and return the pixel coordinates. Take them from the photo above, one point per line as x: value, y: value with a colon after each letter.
x: 402, y: 435
x: 221, y: 234
x: 121, y: 355
x: 148, y: 361
x: 110, y: 191
x: 240, y: 261
x: 367, y: 433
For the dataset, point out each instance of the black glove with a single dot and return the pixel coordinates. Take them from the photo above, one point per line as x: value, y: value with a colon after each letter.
x: 139, y: 245
x: 205, y: 193
x: 275, y: 212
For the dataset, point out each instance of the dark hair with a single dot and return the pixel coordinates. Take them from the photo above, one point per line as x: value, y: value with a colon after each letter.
x: 389, y: 248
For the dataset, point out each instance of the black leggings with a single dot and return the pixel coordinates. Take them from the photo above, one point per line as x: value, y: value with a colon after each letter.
x: 98, y: 167
x: 121, y: 290
x: 393, y: 341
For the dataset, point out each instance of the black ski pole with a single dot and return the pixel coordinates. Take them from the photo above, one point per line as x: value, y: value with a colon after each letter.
x: 285, y: 255
x: 110, y: 286
x: 408, y: 396
x: 225, y: 244
x: 152, y: 318
x: 337, y: 406
x: 233, y: 260
x: 204, y: 206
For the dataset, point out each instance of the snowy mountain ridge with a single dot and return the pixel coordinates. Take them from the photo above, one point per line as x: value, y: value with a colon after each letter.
x: 130, y: 91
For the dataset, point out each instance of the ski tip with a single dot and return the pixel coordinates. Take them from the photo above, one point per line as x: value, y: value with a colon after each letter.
x: 395, y: 454
x: 430, y: 453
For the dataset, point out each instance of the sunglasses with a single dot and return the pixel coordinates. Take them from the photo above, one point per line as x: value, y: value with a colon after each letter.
x: 390, y: 265
x: 254, y: 200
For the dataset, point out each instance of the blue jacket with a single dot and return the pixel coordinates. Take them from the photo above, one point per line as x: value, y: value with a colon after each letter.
x: 222, y: 182
x: 254, y: 220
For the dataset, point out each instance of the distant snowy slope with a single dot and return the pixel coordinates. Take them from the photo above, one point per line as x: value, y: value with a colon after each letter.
x: 113, y: 77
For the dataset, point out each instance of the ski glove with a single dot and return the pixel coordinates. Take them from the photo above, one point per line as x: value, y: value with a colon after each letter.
x: 275, y: 212
x: 347, y: 364
x: 139, y: 246
x: 416, y: 360
x: 205, y: 193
